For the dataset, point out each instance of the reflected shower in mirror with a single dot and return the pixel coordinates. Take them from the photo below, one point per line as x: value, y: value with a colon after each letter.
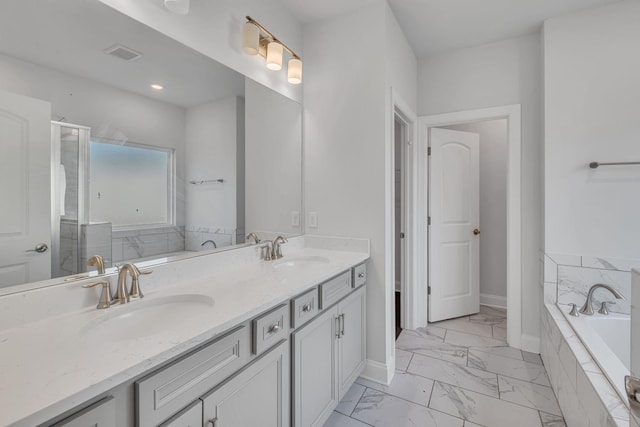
x: 155, y: 153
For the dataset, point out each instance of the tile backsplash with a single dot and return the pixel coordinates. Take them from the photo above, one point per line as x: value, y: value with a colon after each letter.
x: 567, y: 279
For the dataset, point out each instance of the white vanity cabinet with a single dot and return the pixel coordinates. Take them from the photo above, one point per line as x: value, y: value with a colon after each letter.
x: 100, y: 414
x: 328, y: 355
x: 257, y: 396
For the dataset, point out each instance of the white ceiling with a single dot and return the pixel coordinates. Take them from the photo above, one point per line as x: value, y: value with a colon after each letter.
x: 433, y: 26
x: 70, y: 36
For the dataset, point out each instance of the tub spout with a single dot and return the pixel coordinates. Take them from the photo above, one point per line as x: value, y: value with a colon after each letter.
x: 587, y: 308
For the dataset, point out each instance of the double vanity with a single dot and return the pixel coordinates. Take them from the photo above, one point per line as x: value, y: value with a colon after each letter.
x: 219, y: 340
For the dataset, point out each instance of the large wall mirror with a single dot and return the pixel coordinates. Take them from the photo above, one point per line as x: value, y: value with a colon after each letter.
x: 121, y: 142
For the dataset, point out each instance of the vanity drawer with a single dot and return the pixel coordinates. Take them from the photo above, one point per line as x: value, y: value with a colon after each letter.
x: 167, y: 391
x: 359, y: 275
x: 304, y: 308
x: 333, y: 290
x: 270, y: 328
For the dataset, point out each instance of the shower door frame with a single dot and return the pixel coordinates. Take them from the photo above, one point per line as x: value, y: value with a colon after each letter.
x: 84, y: 135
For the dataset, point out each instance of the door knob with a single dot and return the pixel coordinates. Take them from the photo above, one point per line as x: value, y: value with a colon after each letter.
x: 40, y: 247
x: 476, y: 231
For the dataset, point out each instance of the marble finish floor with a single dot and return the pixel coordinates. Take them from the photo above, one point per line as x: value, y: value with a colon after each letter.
x: 457, y: 372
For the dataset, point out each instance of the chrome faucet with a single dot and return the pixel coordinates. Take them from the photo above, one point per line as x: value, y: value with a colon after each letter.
x: 123, y: 295
x: 253, y: 236
x: 587, y: 308
x: 277, y: 246
x: 98, y: 262
x: 209, y: 241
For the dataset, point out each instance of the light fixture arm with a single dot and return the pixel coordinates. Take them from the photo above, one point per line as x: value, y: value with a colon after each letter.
x: 270, y: 37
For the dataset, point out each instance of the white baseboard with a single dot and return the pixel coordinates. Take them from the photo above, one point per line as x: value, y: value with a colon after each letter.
x: 493, y: 300
x: 379, y: 372
x: 530, y: 343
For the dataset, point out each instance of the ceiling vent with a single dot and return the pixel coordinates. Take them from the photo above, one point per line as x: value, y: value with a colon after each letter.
x: 122, y: 52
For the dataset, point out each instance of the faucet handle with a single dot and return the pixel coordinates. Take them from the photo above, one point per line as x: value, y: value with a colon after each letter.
x: 603, y: 307
x: 105, y: 295
x: 574, y: 310
x: 268, y: 247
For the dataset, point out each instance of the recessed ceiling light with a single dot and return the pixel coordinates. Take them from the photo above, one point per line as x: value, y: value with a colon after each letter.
x: 157, y: 86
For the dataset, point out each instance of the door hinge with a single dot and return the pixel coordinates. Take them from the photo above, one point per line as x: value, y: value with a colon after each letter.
x: 428, y: 290
x: 428, y: 151
x: 428, y: 220
x: 402, y: 235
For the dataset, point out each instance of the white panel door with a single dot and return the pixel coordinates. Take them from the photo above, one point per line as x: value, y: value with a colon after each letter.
x: 25, y: 188
x: 454, y: 247
x: 635, y: 344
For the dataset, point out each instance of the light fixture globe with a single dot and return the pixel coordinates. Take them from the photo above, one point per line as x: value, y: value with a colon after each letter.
x: 181, y: 7
x: 250, y: 39
x: 294, y: 71
x: 274, y: 56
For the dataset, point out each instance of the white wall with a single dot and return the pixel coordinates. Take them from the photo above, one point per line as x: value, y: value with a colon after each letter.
x: 501, y: 73
x: 493, y: 205
x: 349, y: 149
x: 214, y: 28
x: 273, y: 161
x: 110, y: 112
x: 592, y: 100
x: 211, y: 150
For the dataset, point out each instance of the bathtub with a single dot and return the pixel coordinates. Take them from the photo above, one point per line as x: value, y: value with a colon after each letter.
x: 608, y: 340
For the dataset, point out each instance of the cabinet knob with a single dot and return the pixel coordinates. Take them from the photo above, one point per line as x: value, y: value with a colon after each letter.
x: 306, y: 307
x: 274, y: 328
x: 361, y: 275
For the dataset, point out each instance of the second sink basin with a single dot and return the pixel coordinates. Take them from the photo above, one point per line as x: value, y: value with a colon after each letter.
x: 301, y: 262
x: 142, y: 318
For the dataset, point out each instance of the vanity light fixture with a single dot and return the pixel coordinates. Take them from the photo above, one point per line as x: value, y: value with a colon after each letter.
x: 257, y: 40
x: 157, y: 86
x: 181, y: 7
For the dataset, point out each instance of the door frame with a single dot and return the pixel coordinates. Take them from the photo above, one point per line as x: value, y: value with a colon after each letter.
x: 410, y: 293
x: 514, y: 210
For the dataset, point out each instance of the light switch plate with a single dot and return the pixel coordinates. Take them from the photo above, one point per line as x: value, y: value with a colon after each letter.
x: 295, y: 219
x: 313, y: 219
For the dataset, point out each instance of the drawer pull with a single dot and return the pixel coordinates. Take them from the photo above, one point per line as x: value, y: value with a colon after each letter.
x: 212, y: 423
x: 361, y: 275
x: 306, y: 308
x: 274, y: 328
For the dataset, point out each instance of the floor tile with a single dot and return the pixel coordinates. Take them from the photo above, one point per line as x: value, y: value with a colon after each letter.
x: 513, y: 368
x: 383, y: 410
x: 531, y: 357
x: 402, y: 359
x: 470, y: 424
x: 464, y: 325
x: 450, y: 353
x: 338, y: 420
x: 528, y: 394
x: 350, y: 399
x: 410, y: 341
x: 470, y: 340
x: 430, y: 331
x: 550, y: 420
x: 504, y: 351
x: 413, y: 388
x: 499, y: 333
x: 488, y: 319
x: 493, y: 311
x: 454, y: 374
x: 481, y: 409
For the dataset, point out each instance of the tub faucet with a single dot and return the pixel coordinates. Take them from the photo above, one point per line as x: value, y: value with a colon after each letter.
x: 587, y: 308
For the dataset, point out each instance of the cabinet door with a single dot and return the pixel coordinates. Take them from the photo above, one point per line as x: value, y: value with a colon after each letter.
x: 352, y: 344
x: 189, y: 417
x: 315, y: 387
x: 100, y: 414
x: 257, y: 396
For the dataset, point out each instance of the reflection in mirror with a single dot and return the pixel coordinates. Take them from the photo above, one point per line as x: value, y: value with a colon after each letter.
x: 96, y: 161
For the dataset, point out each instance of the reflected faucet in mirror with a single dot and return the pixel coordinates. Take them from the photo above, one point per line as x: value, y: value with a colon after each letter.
x: 253, y: 236
x: 98, y: 262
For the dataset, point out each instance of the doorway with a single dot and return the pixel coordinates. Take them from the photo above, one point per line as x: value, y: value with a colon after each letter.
x: 468, y: 249
x: 400, y: 133
x: 511, y: 114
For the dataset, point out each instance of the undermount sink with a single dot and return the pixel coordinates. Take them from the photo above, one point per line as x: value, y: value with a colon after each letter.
x: 299, y: 262
x: 142, y: 318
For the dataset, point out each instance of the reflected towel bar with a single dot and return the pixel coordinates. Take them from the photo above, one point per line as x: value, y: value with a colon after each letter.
x: 594, y: 165
x: 205, y: 181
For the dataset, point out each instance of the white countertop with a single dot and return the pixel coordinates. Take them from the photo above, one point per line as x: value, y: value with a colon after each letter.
x: 51, y: 365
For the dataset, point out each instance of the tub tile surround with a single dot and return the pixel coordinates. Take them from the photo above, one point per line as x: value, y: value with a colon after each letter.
x: 567, y: 279
x: 584, y: 394
x: 33, y: 326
